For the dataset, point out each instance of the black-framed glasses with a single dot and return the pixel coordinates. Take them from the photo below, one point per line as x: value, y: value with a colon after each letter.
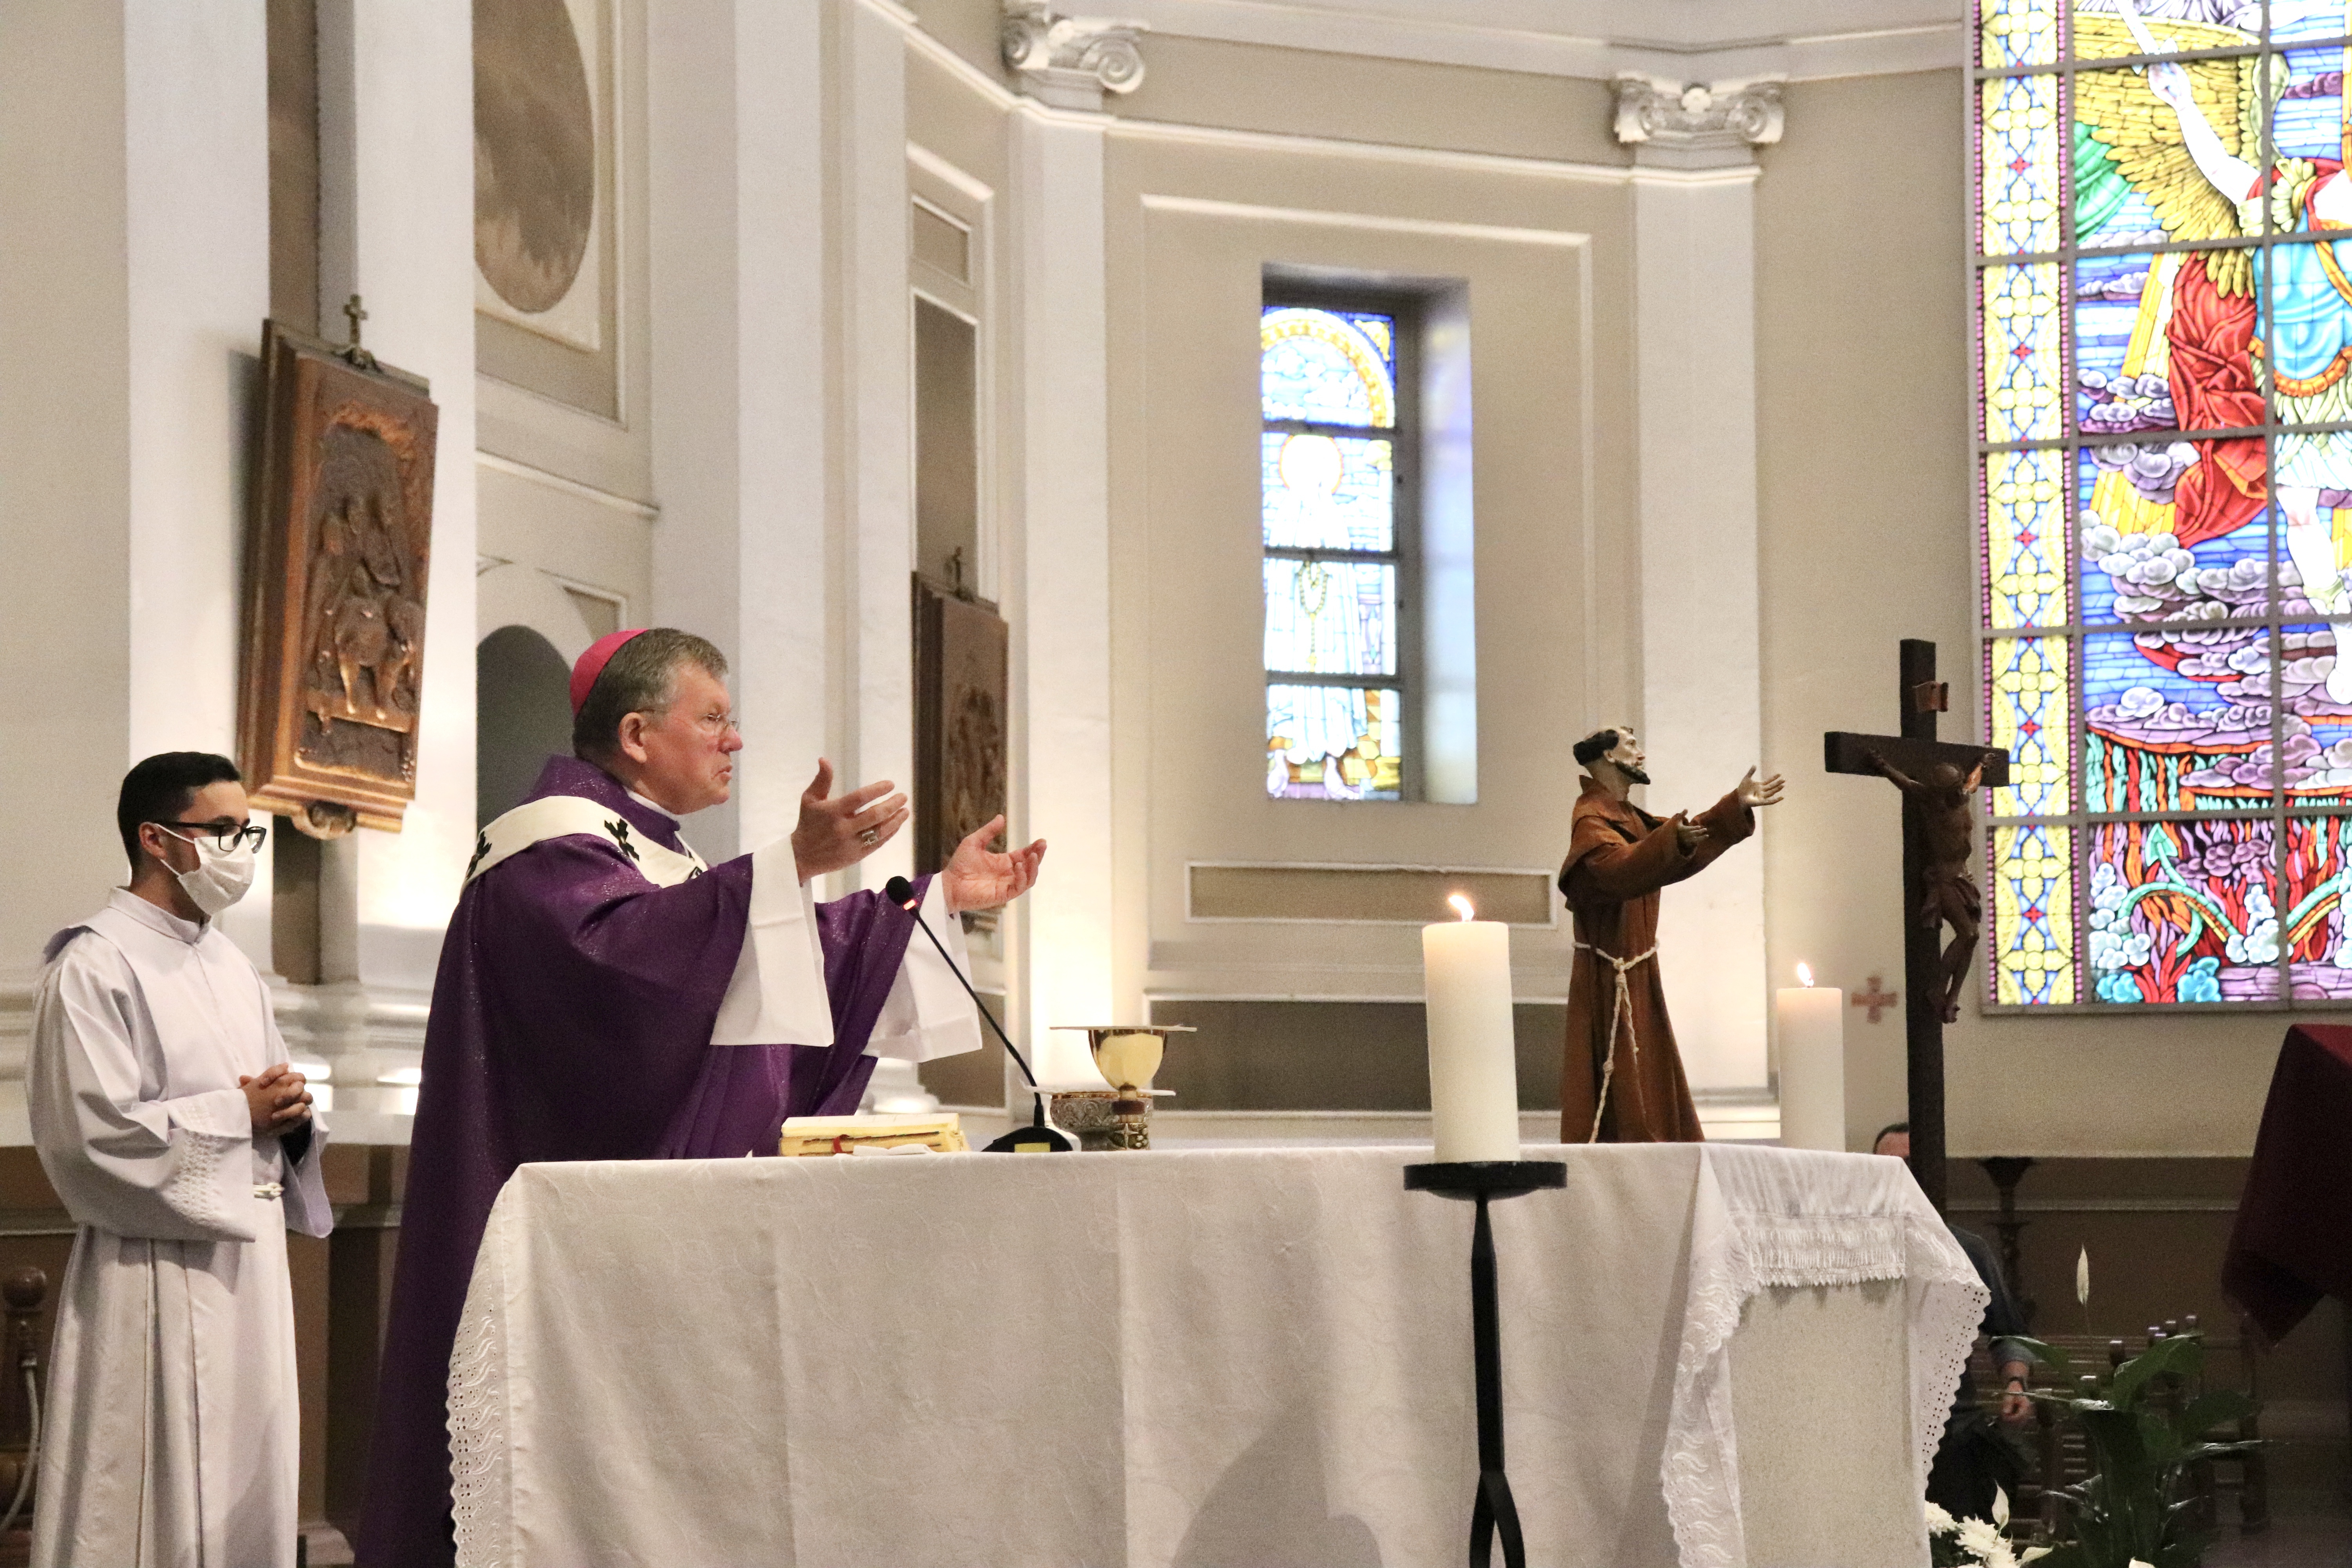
x: 225, y: 835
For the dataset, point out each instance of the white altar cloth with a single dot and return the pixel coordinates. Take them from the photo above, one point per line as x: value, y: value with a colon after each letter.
x: 1712, y: 1355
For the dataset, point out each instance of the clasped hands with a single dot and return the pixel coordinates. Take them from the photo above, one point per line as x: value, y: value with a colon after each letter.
x: 276, y: 1099
x: 1747, y: 792
x: 838, y: 831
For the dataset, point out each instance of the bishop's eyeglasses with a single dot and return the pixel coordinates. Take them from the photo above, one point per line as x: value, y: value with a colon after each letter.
x: 225, y: 835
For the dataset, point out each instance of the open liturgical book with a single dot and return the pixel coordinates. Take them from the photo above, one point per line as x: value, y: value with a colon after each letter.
x: 877, y: 1134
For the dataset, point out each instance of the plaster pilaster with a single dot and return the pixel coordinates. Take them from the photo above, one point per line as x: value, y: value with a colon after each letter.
x: 1702, y: 718
x: 1062, y: 621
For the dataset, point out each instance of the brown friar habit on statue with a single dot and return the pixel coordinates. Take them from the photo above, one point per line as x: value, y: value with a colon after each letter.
x: 1619, y: 855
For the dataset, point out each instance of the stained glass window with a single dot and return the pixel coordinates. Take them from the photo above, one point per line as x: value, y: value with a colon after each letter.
x: 2164, y: 438
x: 1335, y: 395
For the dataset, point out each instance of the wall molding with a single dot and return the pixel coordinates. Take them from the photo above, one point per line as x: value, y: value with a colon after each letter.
x: 1341, y: 29
x: 949, y: 173
x: 643, y: 512
x: 1383, y: 152
x: 1245, y: 212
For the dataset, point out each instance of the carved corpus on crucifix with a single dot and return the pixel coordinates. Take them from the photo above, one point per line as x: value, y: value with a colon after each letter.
x: 1937, y: 780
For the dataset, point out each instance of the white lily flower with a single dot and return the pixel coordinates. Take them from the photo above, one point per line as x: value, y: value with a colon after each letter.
x: 2031, y: 1552
x: 2001, y: 1508
x: 2083, y: 1278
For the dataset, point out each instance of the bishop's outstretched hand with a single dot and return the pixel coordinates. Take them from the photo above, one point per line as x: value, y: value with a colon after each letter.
x: 1752, y: 794
x: 978, y: 877
x: 837, y: 831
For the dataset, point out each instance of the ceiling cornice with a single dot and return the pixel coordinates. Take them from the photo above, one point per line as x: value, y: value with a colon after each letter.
x: 1691, y: 40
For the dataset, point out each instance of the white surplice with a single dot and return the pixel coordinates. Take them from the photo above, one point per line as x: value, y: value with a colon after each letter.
x: 171, y: 1424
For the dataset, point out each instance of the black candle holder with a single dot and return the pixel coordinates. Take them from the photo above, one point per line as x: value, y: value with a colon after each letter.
x: 1493, y: 1511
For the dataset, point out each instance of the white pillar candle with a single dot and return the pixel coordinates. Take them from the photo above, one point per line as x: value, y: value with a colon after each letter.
x: 1812, y: 1026
x: 1474, y: 1078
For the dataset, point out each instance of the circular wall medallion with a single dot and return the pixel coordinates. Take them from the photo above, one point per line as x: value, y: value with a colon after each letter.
x: 534, y: 151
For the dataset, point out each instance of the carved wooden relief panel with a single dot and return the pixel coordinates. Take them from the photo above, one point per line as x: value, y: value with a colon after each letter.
x: 962, y: 669
x: 336, y: 571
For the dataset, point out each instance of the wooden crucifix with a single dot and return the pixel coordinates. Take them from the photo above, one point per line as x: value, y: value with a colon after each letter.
x: 1911, y: 759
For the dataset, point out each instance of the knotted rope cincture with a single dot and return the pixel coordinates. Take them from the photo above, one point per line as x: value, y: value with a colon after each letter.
x: 1624, y: 1010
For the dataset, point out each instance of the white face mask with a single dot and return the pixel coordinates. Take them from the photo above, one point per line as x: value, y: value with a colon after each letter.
x: 221, y: 877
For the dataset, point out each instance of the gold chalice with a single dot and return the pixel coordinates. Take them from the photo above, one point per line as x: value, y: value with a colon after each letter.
x: 1127, y: 1055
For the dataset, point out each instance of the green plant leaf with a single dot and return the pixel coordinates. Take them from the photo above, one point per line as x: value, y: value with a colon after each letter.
x: 2207, y: 1411
x: 2182, y: 1355
x: 2157, y: 1435
x: 2043, y: 1356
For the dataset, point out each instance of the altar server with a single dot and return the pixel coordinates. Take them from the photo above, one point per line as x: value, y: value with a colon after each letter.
x: 183, y: 1144
x: 603, y: 995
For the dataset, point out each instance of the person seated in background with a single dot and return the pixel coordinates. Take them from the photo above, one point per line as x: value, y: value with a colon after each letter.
x: 1974, y: 1460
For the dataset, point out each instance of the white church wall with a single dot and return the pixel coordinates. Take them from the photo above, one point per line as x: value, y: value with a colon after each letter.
x: 1866, y: 538
x: 741, y: 287
x: 402, y: 237
x: 1545, y: 252
x: 567, y: 534
x: 134, y: 180
x: 1357, y: 97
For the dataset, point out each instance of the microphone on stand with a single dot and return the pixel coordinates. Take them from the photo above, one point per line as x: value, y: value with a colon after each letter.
x: 1041, y: 1136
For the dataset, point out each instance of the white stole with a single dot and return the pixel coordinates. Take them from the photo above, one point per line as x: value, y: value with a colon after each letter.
x: 777, y: 995
x: 566, y: 815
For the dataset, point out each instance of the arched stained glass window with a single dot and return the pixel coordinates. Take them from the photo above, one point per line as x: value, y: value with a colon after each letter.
x: 1336, y: 405
x: 2164, y: 450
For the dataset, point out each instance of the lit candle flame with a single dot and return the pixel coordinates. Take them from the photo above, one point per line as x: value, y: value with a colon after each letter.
x: 1462, y: 906
x: 1805, y: 974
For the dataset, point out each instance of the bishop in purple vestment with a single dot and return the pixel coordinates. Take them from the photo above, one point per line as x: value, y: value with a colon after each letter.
x: 602, y: 996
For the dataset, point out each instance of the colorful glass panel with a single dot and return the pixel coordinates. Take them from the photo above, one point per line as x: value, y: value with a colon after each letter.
x: 2019, y: 154
x: 1330, y: 617
x: 2182, y: 910
x: 1324, y: 492
x: 2033, y: 908
x: 2315, y: 716
x: 1327, y: 367
x: 1333, y: 743
x: 2018, y: 31
x: 2308, y: 121
x: 2312, y: 921
x: 2026, y: 523
x: 1331, y: 571
x: 2021, y: 332
x: 2308, y: 19
x: 2103, y: 33
x: 2030, y: 722
x: 2134, y: 570
x: 2176, y: 657
x: 2176, y: 720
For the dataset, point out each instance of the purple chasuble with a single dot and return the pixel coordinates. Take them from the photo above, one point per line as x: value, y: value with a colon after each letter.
x: 572, y: 1020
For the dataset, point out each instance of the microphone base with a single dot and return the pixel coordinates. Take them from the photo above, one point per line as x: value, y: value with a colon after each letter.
x: 1032, y: 1140
x: 1039, y: 1137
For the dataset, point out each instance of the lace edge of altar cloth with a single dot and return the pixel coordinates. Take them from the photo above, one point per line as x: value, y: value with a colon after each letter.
x: 481, y: 1488
x: 1763, y: 1217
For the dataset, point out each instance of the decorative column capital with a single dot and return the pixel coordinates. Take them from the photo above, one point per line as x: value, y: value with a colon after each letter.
x: 1695, y: 125
x: 1070, y: 61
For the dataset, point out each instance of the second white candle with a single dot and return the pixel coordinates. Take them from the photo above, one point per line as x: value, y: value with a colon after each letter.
x: 1811, y: 1020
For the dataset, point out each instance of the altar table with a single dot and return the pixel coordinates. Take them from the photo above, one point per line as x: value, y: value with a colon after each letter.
x: 1712, y: 1355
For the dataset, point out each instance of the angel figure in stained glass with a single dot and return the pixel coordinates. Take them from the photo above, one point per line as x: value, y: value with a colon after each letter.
x: 2205, y: 316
